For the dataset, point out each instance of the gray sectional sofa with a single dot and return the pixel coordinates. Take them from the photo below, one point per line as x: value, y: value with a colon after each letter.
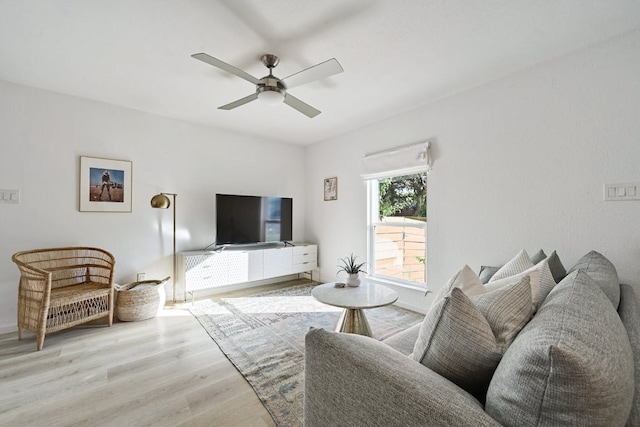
x: 572, y: 359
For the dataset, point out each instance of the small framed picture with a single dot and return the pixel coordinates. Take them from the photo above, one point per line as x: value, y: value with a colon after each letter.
x: 105, y: 185
x: 331, y: 189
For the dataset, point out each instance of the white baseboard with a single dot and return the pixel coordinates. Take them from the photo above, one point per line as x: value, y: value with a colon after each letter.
x: 7, y: 329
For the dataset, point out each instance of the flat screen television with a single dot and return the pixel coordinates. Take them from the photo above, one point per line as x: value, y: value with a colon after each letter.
x: 253, y: 219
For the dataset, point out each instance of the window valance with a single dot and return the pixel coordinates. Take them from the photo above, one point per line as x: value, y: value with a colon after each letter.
x: 404, y: 160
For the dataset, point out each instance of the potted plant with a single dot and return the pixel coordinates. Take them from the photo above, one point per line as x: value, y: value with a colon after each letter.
x: 352, y: 268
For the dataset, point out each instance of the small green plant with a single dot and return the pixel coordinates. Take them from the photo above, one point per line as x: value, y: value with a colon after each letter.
x: 350, y: 266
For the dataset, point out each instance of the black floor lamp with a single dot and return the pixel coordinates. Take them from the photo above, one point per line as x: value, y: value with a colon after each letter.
x: 161, y: 201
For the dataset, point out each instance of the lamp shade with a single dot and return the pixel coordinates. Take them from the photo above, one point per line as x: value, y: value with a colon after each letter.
x: 160, y: 201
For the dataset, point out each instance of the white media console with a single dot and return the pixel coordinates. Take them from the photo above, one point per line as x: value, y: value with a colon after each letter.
x: 200, y: 270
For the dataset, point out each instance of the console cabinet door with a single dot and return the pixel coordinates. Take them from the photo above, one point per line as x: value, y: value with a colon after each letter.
x: 277, y: 262
x: 245, y: 266
x: 256, y: 265
x: 205, y: 270
x: 238, y: 267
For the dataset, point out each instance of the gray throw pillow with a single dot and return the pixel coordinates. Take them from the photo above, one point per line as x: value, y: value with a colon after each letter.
x: 486, y: 273
x: 463, y: 338
x: 557, y: 269
x: 570, y: 365
x: 538, y: 256
x: 603, y: 272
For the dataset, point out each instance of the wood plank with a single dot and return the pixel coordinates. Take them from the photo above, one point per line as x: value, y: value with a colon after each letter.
x: 164, y: 371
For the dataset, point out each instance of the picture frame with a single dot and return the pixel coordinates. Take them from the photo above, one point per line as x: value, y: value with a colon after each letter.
x: 105, y: 185
x: 331, y: 189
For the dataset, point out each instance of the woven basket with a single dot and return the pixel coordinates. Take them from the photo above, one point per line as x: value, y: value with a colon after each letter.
x: 138, y: 300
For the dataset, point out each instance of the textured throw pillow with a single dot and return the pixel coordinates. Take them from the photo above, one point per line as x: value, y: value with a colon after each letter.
x: 464, y: 342
x: 557, y: 269
x: 603, y: 272
x: 507, y: 310
x: 518, y: 264
x: 542, y: 282
x: 466, y: 280
x: 570, y: 365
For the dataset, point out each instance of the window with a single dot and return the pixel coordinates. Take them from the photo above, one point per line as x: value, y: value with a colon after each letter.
x: 272, y: 214
x: 398, y: 228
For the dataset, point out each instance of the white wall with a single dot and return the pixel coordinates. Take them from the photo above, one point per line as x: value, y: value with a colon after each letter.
x: 520, y: 163
x: 42, y: 136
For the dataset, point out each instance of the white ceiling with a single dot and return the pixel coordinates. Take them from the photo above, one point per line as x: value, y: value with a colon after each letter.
x: 397, y: 55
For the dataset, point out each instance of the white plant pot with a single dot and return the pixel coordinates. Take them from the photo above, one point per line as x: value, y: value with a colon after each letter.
x: 353, y: 280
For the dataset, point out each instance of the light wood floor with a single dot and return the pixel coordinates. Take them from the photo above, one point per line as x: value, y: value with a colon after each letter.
x: 164, y: 371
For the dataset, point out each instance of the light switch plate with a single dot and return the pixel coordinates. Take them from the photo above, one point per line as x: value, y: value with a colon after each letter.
x: 622, y: 191
x: 10, y: 196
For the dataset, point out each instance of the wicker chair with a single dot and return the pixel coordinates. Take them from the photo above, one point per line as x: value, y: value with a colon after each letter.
x: 63, y: 287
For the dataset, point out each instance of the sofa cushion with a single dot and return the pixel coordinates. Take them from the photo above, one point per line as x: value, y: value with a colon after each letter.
x: 517, y: 264
x: 603, y: 272
x: 463, y: 339
x: 541, y: 282
x: 571, y: 365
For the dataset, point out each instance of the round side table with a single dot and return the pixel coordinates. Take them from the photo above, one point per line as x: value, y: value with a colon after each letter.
x: 354, y: 300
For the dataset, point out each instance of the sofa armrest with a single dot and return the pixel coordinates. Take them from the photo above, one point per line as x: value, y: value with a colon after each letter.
x: 630, y: 316
x: 353, y: 380
x: 404, y: 341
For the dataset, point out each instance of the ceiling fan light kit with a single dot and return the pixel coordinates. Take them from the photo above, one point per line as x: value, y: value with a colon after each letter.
x: 272, y: 90
x: 271, y: 96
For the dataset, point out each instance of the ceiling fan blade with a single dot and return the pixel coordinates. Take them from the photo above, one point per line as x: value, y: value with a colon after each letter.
x: 226, y: 67
x: 304, y: 108
x: 317, y: 72
x: 239, y: 102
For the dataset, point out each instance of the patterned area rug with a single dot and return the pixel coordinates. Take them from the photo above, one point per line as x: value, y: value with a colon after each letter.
x: 263, y: 336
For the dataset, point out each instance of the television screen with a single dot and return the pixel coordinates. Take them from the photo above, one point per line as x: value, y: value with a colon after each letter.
x: 253, y: 219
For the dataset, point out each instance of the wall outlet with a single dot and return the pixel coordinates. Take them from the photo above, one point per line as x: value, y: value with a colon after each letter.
x: 141, y: 277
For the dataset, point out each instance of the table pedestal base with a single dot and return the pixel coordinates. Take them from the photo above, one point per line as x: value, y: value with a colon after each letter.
x: 353, y: 321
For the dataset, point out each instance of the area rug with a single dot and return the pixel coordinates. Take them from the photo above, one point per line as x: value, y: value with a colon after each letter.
x: 263, y: 336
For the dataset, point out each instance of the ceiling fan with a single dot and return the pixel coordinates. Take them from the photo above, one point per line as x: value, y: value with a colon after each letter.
x: 271, y: 89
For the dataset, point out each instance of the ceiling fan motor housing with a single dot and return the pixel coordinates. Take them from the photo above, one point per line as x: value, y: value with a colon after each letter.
x: 271, y: 84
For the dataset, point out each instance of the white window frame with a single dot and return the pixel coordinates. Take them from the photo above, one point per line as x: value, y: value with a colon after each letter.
x: 373, y: 208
